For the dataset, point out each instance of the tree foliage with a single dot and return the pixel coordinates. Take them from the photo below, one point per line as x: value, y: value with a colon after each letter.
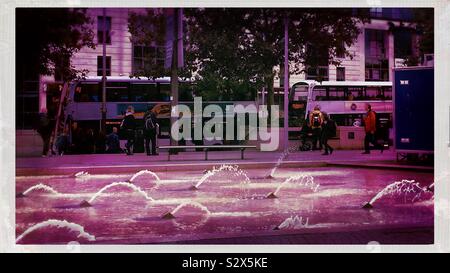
x: 242, y: 47
x: 46, y: 39
x: 231, y: 53
x: 423, y: 20
x: 148, y: 29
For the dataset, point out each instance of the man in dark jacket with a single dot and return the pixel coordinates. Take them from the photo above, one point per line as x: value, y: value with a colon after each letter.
x: 150, y: 127
x: 44, y: 129
x: 328, y: 131
x: 113, y: 142
x: 129, y: 125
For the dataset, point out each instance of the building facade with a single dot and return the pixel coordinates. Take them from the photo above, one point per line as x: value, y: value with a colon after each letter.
x: 374, y: 54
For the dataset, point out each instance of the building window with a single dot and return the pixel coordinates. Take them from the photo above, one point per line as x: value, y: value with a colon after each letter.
x: 317, y: 73
x: 318, y: 56
x: 377, y: 64
x: 100, y: 65
x: 147, y: 58
x: 340, y: 73
x: 100, y: 29
x: 376, y: 12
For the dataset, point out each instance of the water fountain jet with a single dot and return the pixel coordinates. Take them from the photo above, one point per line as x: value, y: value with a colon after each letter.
x: 58, y: 224
x: 20, y: 195
x: 168, y: 215
x: 81, y: 174
x: 85, y: 204
x: 303, y: 180
x: 271, y: 195
x: 171, y: 214
x: 285, y: 153
x: 136, y: 175
x: 39, y: 186
x: 293, y: 223
x: 234, y: 169
x: 403, y: 187
x: 115, y: 184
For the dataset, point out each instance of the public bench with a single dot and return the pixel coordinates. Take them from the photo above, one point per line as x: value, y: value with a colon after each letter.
x: 207, y: 148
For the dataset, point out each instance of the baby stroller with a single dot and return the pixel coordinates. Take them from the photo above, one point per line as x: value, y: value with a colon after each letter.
x: 306, y: 139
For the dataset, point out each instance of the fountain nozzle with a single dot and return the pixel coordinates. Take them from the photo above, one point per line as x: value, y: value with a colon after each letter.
x: 193, y: 188
x: 271, y: 195
x: 85, y: 204
x: 276, y: 228
x: 20, y: 195
x: 168, y: 215
x: 367, y: 206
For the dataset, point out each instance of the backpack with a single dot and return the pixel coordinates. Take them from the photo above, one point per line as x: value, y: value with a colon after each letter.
x: 149, y: 124
x: 332, y: 126
x: 316, y: 120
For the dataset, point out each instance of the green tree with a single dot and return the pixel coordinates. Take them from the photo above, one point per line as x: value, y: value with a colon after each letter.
x: 148, y: 29
x: 422, y: 24
x: 232, y: 53
x: 46, y: 39
x: 244, y: 46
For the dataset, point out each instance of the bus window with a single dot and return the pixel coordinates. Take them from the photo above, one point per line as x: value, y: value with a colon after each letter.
x: 346, y: 119
x: 300, y: 93
x: 356, y: 93
x: 337, y: 93
x: 117, y: 91
x: 319, y: 93
x: 164, y: 92
x: 87, y: 92
x: 387, y: 92
x: 140, y: 92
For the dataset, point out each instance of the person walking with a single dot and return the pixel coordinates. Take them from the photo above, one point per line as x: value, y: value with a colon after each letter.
x: 44, y: 129
x: 315, y: 121
x: 150, y: 126
x: 62, y: 142
x: 113, y: 142
x: 370, y: 120
x: 129, y: 125
x: 328, y: 131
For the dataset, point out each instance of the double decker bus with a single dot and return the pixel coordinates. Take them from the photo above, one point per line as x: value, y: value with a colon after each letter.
x: 345, y: 102
x: 85, y: 100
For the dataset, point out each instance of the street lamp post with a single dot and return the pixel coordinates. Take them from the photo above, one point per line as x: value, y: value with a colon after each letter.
x: 174, y: 72
x: 286, y: 85
x: 103, y: 109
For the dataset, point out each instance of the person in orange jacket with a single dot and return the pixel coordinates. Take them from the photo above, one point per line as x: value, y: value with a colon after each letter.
x: 370, y: 127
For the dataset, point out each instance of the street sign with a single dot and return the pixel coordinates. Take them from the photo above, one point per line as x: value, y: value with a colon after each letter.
x: 171, y: 16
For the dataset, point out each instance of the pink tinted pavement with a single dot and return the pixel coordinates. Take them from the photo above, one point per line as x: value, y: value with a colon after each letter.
x: 225, y: 209
x: 195, y: 160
